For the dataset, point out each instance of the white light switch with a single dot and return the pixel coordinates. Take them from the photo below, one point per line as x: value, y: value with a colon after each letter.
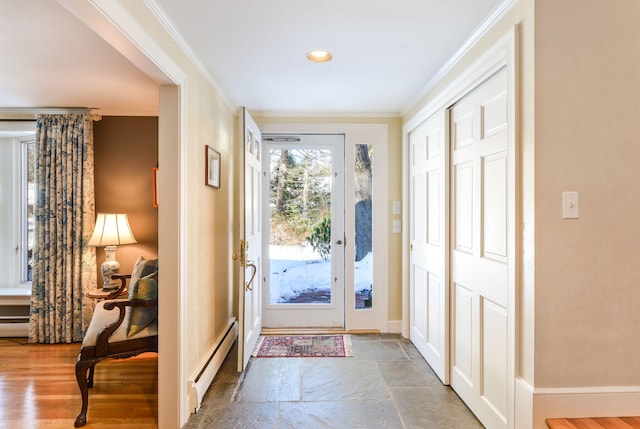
x: 570, y: 205
x: 396, y: 208
x: 396, y: 226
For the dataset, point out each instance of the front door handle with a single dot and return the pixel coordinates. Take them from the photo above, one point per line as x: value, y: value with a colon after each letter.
x: 252, y: 265
x: 339, y: 242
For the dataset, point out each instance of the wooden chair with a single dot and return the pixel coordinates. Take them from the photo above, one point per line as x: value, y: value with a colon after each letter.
x: 107, y: 337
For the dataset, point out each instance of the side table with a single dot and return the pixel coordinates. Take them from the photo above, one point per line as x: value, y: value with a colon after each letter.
x: 98, y: 293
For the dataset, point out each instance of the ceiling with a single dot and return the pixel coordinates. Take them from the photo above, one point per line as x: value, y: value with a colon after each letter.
x: 48, y: 58
x: 385, y: 53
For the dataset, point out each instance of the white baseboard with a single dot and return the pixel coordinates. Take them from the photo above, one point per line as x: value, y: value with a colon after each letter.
x: 534, y: 406
x: 199, y: 382
x: 394, y: 326
x: 577, y: 402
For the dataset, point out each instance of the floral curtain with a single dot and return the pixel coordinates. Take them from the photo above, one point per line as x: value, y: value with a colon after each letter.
x: 64, y: 267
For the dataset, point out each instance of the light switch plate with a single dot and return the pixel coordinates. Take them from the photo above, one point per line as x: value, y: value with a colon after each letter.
x: 396, y: 208
x: 396, y: 226
x: 570, y: 205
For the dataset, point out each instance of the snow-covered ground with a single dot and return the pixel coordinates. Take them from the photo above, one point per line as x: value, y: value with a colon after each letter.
x: 297, y: 269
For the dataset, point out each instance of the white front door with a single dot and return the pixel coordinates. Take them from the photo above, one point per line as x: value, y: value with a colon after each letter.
x: 479, y: 257
x: 429, y: 244
x: 303, y: 231
x: 249, y: 254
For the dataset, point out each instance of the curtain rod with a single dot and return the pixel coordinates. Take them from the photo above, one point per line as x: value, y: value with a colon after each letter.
x: 45, y: 110
x: 35, y: 111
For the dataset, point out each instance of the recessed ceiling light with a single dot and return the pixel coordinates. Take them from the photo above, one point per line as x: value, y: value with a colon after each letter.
x: 319, y: 56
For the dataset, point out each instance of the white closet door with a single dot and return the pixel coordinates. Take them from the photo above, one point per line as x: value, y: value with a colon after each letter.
x: 479, y: 277
x: 429, y: 311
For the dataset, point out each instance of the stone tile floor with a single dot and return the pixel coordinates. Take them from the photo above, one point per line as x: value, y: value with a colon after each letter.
x: 386, y: 385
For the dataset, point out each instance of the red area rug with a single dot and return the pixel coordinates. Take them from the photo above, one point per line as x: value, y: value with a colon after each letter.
x: 303, y: 346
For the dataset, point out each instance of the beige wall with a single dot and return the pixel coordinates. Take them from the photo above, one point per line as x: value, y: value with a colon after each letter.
x: 210, y: 223
x: 587, y: 140
x: 395, y: 191
x: 125, y: 150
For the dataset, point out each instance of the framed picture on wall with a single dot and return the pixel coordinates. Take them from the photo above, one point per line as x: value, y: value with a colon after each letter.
x: 154, y: 185
x: 212, y: 167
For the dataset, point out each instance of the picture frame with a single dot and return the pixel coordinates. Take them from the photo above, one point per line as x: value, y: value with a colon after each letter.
x: 212, y: 167
x: 155, y: 173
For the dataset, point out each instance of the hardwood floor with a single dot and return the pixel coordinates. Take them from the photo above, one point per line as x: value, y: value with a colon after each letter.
x: 595, y: 423
x: 38, y: 388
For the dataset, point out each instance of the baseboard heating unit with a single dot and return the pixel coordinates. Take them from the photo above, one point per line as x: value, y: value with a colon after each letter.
x: 202, y: 379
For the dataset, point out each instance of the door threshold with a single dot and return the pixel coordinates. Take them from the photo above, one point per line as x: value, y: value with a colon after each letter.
x: 316, y: 331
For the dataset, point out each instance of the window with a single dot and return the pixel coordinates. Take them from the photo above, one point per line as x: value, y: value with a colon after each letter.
x: 17, y: 198
x: 364, y: 226
x: 27, y: 197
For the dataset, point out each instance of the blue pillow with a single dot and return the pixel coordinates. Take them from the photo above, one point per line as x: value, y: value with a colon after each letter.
x: 143, y: 267
x: 145, y: 289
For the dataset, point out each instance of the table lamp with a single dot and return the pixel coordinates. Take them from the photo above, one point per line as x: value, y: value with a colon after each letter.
x: 111, y: 230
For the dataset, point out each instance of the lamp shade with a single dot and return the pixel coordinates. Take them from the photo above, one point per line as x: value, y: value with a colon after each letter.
x: 111, y: 230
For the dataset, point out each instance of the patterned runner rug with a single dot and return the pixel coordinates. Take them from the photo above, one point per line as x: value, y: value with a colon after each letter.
x: 303, y: 346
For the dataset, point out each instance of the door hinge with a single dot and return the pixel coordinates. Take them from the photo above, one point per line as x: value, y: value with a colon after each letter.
x: 241, y: 255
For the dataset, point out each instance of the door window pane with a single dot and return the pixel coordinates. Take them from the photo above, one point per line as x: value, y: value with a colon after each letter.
x: 300, y: 226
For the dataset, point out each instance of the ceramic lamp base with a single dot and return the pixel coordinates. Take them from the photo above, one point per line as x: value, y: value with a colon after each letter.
x: 108, y: 268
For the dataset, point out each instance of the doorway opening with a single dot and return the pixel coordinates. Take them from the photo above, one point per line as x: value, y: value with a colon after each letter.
x: 364, y: 234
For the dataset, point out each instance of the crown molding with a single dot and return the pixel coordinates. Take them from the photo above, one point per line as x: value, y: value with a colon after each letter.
x: 168, y: 25
x: 486, y: 25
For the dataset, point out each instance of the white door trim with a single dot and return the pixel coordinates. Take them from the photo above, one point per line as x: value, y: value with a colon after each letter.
x: 377, y: 135
x: 502, y: 53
